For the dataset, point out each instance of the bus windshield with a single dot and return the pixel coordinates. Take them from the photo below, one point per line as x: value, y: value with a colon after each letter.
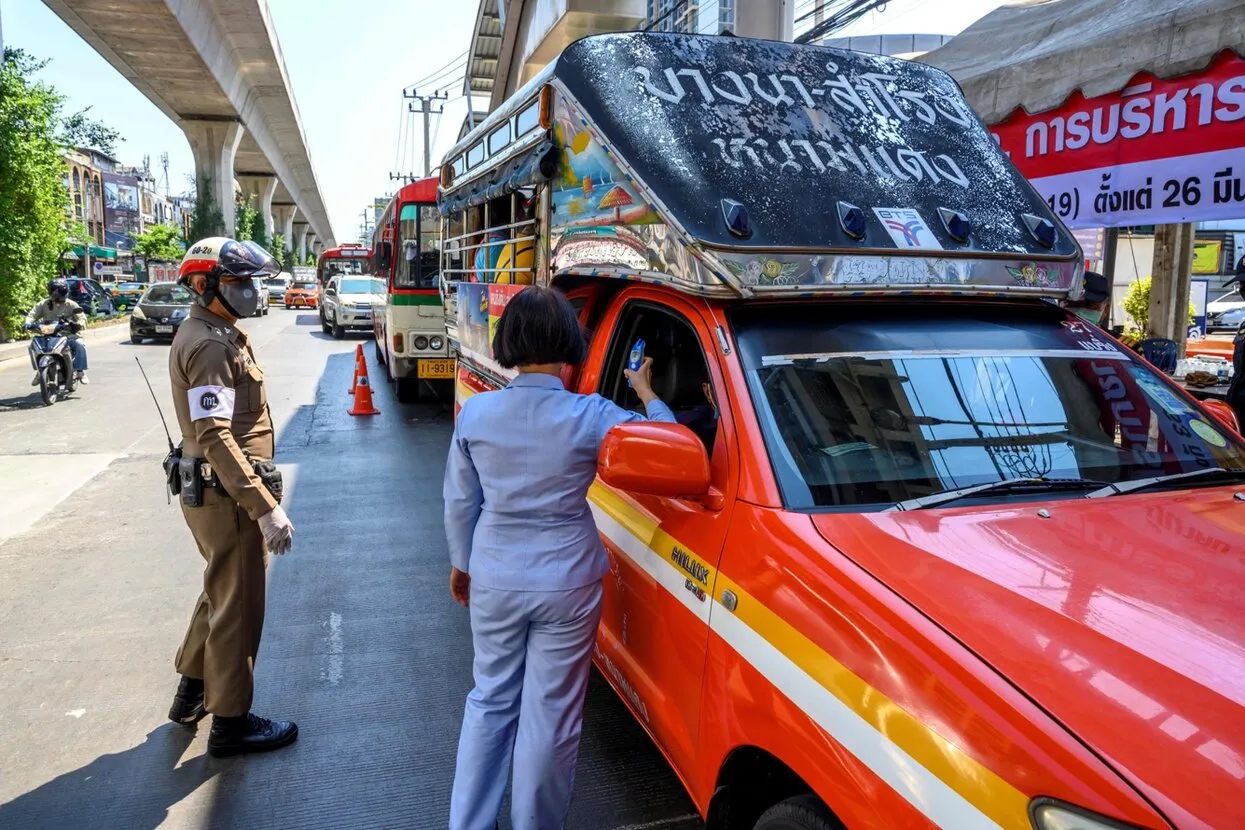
x: 418, y: 250
x: 862, y: 407
x: 343, y: 265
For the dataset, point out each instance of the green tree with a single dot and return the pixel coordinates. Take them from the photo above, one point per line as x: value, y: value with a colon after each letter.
x: 207, y: 219
x: 79, y: 131
x: 245, y: 218
x: 1137, y: 305
x: 33, y: 197
x: 279, y: 251
x: 77, y: 235
x: 159, y: 243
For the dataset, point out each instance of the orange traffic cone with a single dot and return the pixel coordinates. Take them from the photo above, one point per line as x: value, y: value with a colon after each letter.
x: 360, y: 368
x: 363, y: 396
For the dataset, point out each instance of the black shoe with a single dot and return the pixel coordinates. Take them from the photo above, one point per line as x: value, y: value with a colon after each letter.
x: 187, y: 708
x: 248, y: 733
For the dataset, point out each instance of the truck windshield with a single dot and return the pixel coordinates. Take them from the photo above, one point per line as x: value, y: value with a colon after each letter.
x: 867, y: 405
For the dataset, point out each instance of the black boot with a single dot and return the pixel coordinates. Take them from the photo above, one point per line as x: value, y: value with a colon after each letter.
x: 248, y: 733
x: 187, y: 708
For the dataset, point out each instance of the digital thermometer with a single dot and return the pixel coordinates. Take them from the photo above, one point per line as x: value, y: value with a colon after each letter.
x: 636, y: 359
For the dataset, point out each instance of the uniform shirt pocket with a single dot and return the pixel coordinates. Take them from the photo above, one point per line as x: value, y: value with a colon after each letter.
x: 253, y: 378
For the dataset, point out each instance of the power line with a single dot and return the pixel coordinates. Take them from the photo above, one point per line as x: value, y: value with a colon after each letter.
x: 452, y: 66
x: 844, y: 13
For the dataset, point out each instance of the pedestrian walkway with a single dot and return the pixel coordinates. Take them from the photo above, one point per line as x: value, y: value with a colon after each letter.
x: 362, y: 644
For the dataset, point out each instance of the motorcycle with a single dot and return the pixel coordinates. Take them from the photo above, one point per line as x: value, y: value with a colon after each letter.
x: 52, y: 361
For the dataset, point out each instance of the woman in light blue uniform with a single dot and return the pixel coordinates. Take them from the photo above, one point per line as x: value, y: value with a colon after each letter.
x: 527, y: 561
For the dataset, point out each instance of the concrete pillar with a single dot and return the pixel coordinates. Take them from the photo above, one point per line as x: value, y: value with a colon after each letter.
x: 283, y: 222
x: 1169, y: 284
x: 311, y: 244
x: 214, y: 145
x: 301, y: 229
x: 262, y: 188
x: 767, y: 19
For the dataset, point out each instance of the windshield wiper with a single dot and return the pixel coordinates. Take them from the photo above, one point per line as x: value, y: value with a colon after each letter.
x: 1047, y: 485
x: 1158, y: 481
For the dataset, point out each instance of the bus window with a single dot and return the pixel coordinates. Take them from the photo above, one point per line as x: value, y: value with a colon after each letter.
x: 418, y: 250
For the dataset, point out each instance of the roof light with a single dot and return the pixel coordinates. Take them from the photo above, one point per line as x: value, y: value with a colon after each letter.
x: 737, y: 220
x: 1043, y: 230
x: 956, y: 223
x: 852, y: 220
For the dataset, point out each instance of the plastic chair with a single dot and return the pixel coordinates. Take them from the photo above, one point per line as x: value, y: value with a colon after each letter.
x: 1161, y: 352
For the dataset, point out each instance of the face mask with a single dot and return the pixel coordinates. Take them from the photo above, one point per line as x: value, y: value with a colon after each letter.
x: 240, y: 298
x: 1092, y: 315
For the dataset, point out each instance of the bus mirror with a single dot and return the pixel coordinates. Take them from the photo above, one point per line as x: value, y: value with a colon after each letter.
x: 384, y: 255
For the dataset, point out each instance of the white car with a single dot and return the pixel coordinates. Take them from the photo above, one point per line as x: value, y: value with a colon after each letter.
x: 1225, y: 312
x: 346, y: 303
x: 262, y: 309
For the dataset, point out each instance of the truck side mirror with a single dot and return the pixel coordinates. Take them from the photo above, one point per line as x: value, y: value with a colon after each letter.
x: 655, y: 459
x: 1224, y: 414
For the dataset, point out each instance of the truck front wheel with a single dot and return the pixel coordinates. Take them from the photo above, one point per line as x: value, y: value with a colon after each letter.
x: 804, y: 812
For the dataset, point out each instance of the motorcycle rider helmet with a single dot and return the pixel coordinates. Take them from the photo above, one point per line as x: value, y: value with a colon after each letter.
x: 58, y: 289
x: 231, y: 268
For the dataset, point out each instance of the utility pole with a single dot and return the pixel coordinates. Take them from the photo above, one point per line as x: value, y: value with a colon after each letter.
x: 405, y: 178
x: 425, y: 107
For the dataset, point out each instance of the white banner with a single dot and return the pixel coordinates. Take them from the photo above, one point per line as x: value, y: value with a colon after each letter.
x: 1184, y: 189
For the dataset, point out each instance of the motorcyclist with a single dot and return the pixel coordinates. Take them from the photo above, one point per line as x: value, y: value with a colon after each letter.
x: 55, y: 308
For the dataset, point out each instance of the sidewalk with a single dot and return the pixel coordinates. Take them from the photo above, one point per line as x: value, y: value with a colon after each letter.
x: 107, y: 328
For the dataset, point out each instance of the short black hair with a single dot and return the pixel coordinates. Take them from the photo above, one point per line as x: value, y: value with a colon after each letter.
x: 538, y: 326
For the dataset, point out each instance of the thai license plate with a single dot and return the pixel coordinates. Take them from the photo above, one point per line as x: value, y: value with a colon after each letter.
x: 435, y: 369
x: 164, y: 329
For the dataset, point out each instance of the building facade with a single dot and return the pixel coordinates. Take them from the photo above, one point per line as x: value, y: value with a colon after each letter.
x: 696, y: 17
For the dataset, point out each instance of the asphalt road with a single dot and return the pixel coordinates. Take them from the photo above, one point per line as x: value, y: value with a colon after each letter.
x: 362, y: 645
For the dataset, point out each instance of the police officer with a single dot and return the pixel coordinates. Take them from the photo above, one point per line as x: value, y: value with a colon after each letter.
x: 57, y: 306
x: 227, y: 483
x: 1236, y: 389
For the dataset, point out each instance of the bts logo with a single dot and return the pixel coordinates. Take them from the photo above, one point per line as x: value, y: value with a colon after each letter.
x: 907, y: 229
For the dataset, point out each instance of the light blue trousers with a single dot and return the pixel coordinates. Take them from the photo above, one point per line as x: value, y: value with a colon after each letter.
x: 532, y: 656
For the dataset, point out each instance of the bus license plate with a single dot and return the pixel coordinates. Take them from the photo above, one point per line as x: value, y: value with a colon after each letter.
x: 435, y: 369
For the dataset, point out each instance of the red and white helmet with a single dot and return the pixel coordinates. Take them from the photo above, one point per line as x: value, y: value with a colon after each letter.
x: 220, y: 256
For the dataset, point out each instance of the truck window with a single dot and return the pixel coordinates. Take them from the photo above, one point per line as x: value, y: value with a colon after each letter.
x: 680, y: 372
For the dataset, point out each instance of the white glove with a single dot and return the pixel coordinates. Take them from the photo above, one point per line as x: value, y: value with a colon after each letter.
x: 278, y: 531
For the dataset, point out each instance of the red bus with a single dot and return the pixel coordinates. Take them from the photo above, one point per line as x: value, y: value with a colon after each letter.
x: 350, y: 258
x: 410, y: 327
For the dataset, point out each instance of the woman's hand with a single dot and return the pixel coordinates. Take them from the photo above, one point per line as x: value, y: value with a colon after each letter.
x: 642, y: 381
x: 460, y: 586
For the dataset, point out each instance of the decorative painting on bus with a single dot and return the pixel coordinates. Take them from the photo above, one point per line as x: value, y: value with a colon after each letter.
x: 479, y: 308
x: 590, y: 189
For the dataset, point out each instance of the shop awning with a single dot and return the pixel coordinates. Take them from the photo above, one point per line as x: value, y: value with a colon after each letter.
x: 1033, y: 54
x: 97, y: 252
x: 1120, y: 112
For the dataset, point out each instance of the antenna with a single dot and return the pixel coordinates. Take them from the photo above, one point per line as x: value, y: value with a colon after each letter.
x: 156, y: 401
x: 164, y: 162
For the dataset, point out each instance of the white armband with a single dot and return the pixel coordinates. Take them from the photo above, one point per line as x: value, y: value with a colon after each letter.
x: 211, y: 402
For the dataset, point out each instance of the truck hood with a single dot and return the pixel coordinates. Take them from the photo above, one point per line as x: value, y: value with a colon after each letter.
x: 1124, y: 618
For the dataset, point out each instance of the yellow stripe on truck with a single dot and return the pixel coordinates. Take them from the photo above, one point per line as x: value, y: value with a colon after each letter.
x: 950, y: 787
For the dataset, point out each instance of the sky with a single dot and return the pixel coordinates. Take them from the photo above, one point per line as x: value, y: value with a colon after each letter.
x: 348, y: 74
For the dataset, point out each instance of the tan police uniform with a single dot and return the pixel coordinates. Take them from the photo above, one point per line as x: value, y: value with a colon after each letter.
x: 218, y: 391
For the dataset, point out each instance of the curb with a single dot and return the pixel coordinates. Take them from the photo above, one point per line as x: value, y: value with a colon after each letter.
x: 18, y: 348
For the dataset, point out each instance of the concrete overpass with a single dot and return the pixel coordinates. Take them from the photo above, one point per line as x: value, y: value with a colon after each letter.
x: 215, y: 68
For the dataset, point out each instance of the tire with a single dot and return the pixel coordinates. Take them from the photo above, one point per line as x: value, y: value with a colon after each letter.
x: 48, y: 389
x: 338, y: 331
x: 804, y: 812
x: 408, y: 390
x: 135, y: 340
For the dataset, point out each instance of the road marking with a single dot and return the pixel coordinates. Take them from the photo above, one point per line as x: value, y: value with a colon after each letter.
x: 335, y: 669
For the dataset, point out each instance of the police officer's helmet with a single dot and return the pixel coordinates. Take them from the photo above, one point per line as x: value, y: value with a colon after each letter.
x: 58, y: 289
x: 220, y: 256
